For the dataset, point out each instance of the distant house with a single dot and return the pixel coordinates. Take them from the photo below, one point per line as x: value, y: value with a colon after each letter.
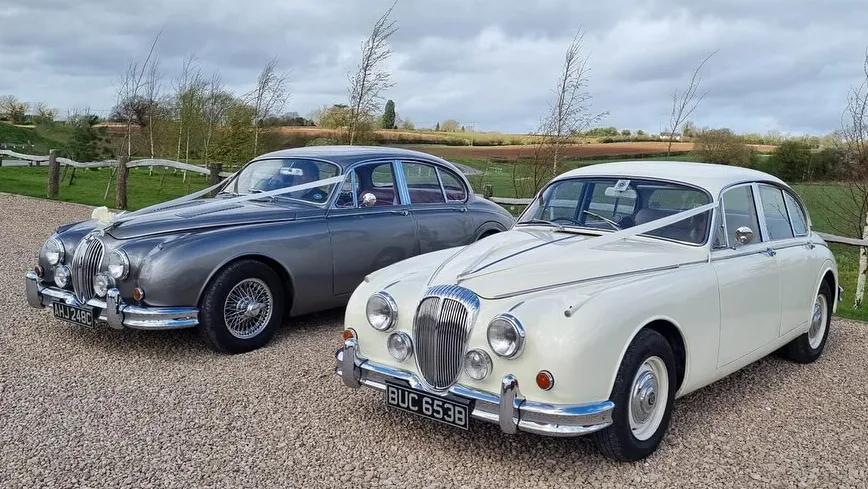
x: 666, y: 136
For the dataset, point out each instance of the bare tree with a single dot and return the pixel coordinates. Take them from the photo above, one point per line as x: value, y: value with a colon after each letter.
x: 684, y: 103
x: 216, y: 107
x: 268, y: 98
x: 153, y: 85
x: 44, y: 113
x: 130, y: 86
x: 14, y: 109
x: 370, y: 77
x: 189, y: 102
x: 570, y: 112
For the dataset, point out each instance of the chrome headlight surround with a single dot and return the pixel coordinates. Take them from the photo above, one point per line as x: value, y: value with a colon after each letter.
x: 118, y: 264
x: 400, y: 346
x: 53, y: 251
x: 506, y: 336
x: 102, y: 282
x: 381, y: 310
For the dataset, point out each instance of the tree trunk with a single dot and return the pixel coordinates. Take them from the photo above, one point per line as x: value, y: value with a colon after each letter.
x: 53, y: 174
x: 123, y: 172
x: 863, y: 266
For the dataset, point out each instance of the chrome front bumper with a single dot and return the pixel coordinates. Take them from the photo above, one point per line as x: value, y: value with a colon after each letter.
x: 113, y: 311
x: 510, y: 410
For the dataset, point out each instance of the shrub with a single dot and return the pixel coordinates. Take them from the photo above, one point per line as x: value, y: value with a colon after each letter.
x: 791, y: 161
x: 723, y: 147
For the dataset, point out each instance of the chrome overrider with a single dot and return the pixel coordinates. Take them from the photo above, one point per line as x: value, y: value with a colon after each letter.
x: 113, y: 311
x: 510, y: 410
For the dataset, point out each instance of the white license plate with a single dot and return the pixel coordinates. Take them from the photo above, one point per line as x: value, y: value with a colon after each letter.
x: 73, y: 314
x: 454, y: 412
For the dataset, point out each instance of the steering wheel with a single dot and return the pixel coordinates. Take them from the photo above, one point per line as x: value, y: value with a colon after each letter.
x: 568, y: 219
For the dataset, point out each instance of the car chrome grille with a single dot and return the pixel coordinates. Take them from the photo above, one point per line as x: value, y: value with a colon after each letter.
x: 442, y: 325
x: 86, y: 263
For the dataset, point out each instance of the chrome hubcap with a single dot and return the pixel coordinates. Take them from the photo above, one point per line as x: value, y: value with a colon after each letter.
x: 819, y: 318
x: 648, y: 397
x: 248, y: 308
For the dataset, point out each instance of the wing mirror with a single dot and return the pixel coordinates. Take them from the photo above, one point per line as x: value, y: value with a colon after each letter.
x: 368, y: 199
x: 744, y: 235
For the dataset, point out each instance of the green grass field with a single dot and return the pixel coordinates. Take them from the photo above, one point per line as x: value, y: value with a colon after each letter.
x: 144, y: 190
x: 90, y: 185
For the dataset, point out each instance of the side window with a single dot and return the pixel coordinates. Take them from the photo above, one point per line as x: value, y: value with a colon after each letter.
x: 423, y: 184
x: 797, y: 215
x: 777, y: 221
x: 455, y: 191
x: 740, y: 211
x: 369, y: 186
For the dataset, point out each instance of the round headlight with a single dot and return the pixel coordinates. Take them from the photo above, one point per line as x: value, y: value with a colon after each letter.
x: 53, y: 251
x: 506, y: 336
x: 101, y: 284
x: 118, y: 264
x: 400, y: 346
x: 382, y: 311
x: 61, y: 276
x: 477, y: 364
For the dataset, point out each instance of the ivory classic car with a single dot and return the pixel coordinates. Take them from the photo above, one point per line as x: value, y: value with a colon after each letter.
x: 622, y: 287
x: 293, y: 232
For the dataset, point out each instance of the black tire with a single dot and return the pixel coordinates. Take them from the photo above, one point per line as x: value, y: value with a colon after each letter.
x: 617, y: 441
x: 213, y: 327
x: 800, y: 350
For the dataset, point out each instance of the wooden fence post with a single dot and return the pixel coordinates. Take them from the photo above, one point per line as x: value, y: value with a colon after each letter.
x: 121, y: 183
x: 53, y: 174
x: 214, y: 176
x: 487, y: 191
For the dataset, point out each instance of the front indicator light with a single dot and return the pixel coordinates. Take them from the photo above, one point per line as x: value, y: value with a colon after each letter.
x: 138, y: 293
x: 477, y: 364
x: 545, y: 380
x: 400, y: 346
x: 349, y: 334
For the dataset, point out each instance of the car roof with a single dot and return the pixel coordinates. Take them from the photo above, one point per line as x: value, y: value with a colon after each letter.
x: 709, y: 176
x: 346, y: 156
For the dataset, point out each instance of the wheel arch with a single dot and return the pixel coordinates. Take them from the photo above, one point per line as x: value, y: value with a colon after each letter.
x: 829, y: 275
x: 487, y: 229
x: 282, y: 272
x: 672, y: 332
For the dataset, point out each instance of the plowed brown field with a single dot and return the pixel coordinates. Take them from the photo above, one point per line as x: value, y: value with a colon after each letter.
x: 577, y: 151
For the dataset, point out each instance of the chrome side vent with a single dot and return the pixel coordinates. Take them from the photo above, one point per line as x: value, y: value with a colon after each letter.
x: 441, y: 327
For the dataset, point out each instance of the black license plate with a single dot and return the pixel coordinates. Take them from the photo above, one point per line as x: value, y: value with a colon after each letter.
x: 450, y: 411
x: 74, y: 314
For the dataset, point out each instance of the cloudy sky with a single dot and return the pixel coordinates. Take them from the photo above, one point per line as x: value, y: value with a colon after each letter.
x: 782, y: 64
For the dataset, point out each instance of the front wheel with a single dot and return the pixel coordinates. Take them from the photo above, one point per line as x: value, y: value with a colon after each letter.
x: 643, y: 395
x: 242, y: 307
x: 809, y: 346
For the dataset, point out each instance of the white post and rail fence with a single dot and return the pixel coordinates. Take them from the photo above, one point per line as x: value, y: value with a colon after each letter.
x: 122, y: 165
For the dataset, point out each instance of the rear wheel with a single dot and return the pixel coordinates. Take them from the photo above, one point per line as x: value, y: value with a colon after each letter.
x: 809, y: 346
x: 643, y: 395
x: 242, y: 307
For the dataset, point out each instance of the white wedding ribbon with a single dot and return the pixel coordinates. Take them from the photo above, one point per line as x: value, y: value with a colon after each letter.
x: 167, y: 208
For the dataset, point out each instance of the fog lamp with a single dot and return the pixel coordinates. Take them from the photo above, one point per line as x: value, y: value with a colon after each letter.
x: 61, y: 276
x: 101, y: 284
x: 477, y: 364
x: 400, y: 346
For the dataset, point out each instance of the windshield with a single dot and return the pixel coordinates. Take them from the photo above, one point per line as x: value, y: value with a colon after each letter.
x: 274, y: 174
x: 618, y: 203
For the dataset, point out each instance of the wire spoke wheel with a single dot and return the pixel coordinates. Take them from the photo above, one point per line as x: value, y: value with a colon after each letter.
x: 648, y: 397
x: 819, y: 318
x: 248, y: 308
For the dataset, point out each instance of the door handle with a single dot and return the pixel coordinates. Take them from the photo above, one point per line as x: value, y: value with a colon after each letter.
x: 461, y: 209
x: 809, y: 245
x: 402, y: 212
x: 769, y: 252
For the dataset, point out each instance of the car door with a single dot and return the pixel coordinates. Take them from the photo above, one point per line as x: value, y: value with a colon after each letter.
x: 438, y: 200
x: 787, y: 230
x: 370, y: 225
x: 748, y: 278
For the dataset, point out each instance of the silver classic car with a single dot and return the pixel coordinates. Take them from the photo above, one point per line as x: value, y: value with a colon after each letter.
x: 292, y: 232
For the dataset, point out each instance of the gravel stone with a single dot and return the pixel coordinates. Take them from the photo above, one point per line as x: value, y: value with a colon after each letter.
x: 122, y: 409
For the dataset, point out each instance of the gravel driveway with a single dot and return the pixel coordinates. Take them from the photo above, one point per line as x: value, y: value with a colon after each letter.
x: 102, y: 408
